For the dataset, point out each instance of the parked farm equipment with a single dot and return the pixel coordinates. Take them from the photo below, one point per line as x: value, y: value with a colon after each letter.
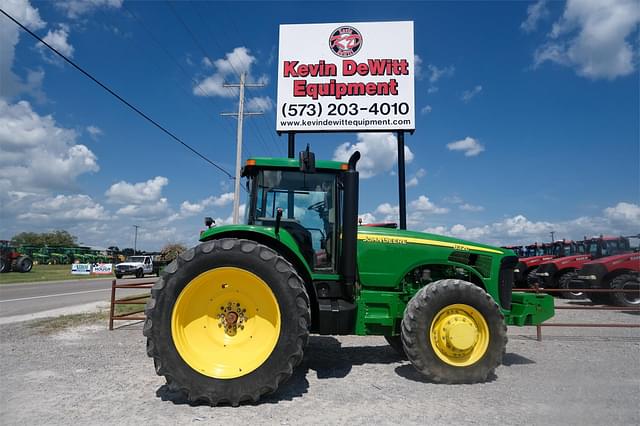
x: 617, y: 272
x: 558, y: 273
x: 12, y: 260
x: 229, y: 319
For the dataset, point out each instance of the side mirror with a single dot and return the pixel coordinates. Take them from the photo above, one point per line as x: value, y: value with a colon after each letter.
x: 209, y: 222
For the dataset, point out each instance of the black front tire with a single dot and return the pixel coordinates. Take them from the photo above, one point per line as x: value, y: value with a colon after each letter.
x: 292, y: 299
x: 421, y: 313
x: 532, y: 279
x: 139, y: 273
x: 564, y: 283
x: 118, y: 276
x: 4, y: 265
x: 626, y: 282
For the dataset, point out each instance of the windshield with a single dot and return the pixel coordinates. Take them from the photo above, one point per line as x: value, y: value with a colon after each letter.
x: 308, y: 202
x: 135, y: 259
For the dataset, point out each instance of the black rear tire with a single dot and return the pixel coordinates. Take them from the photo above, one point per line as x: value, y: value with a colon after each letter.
x: 600, y: 298
x: 24, y: 264
x: 396, y: 343
x: 422, y: 311
x: 564, y: 282
x: 626, y: 282
x: 4, y: 265
x: 293, y: 304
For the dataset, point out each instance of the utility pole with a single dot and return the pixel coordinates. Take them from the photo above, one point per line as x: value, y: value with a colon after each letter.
x: 240, y: 115
x: 552, y: 234
x: 135, y: 240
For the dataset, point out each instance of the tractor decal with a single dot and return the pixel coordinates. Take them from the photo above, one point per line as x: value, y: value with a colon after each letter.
x: 389, y: 239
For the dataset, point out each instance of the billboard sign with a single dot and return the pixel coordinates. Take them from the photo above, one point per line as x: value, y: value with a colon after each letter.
x: 102, y: 269
x: 346, y: 77
x: 81, y: 269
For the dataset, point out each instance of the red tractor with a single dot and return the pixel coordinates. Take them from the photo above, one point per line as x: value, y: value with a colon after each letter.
x: 558, y: 273
x: 530, y: 258
x: 12, y: 260
x: 620, y: 272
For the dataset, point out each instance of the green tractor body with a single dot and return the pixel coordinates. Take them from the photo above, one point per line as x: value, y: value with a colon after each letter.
x: 442, y: 302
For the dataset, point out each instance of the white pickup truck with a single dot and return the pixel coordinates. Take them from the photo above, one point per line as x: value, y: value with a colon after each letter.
x: 136, y: 265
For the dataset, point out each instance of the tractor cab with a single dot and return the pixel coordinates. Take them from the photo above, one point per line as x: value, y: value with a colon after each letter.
x: 567, y: 248
x: 303, y: 200
x: 606, y: 246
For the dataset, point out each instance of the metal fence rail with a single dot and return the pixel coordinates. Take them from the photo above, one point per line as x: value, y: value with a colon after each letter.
x: 593, y: 307
x: 130, y: 300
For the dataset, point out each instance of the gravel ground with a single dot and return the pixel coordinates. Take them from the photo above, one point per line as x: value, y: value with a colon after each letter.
x: 88, y: 375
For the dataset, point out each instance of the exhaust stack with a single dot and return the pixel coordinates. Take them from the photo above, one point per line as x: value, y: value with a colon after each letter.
x: 350, y: 221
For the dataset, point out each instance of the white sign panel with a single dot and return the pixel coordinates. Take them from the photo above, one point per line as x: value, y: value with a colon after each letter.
x: 102, y: 269
x: 81, y: 269
x: 346, y: 77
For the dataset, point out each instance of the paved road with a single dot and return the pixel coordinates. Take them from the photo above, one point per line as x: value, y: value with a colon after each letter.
x: 30, y: 298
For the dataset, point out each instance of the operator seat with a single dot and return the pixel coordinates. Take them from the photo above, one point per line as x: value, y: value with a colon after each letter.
x: 298, y: 232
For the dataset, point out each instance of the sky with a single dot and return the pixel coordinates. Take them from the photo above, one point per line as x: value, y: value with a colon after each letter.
x: 527, y: 117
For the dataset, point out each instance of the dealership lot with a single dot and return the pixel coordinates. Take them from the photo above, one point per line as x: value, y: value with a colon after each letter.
x: 89, y: 375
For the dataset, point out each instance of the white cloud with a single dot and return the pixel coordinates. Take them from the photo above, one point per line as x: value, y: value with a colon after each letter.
x: 432, y: 89
x: 379, y: 153
x: 417, y: 67
x: 470, y: 146
x: 366, y: 218
x: 453, y: 199
x: 94, y: 131
x: 136, y: 193
x: 58, y: 39
x: 436, y: 73
x: 36, y: 153
x: 624, y: 213
x: 259, y: 104
x: 415, y: 179
x: 591, y: 37
x: 147, y: 210
x: 423, y: 204
x: 77, y: 8
x: 426, y: 110
x: 467, y: 95
x: 535, y: 12
x: 233, y: 64
x: 10, y: 84
x: 66, y: 209
x: 470, y: 207
x: 189, y: 209
x: 621, y: 219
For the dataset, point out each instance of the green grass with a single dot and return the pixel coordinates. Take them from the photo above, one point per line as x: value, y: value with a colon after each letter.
x: 45, y: 273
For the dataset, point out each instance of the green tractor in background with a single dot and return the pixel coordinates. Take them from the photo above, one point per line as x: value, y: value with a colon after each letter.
x: 229, y: 319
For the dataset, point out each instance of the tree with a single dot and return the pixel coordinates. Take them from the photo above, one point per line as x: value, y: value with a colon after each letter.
x: 171, y: 251
x: 53, y: 238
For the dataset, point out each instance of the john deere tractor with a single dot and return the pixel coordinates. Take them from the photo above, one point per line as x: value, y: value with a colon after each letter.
x: 229, y: 319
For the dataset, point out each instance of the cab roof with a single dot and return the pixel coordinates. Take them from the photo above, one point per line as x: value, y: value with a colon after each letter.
x: 290, y: 163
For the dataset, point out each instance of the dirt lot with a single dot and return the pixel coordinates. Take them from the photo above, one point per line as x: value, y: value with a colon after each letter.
x: 87, y: 375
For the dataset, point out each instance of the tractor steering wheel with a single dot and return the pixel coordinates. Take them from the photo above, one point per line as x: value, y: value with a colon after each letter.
x: 318, y: 207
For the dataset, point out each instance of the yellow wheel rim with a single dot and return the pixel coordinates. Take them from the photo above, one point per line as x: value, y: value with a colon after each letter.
x: 459, y: 335
x: 225, y: 323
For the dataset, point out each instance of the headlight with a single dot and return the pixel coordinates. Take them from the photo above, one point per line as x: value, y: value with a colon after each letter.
x: 516, y: 270
x: 587, y: 277
x: 542, y: 274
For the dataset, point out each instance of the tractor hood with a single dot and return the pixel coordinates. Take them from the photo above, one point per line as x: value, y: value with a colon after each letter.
x: 560, y: 262
x: 535, y: 260
x: 618, y: 258
x: 370, y: 234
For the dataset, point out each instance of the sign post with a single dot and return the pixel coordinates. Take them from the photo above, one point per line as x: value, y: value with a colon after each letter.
x: 348, y: 77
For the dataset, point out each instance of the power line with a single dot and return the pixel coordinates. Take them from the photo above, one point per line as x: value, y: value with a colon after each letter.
x: 120, y: 98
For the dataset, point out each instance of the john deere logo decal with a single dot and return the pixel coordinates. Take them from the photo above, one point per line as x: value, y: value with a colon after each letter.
x: 345, y: 41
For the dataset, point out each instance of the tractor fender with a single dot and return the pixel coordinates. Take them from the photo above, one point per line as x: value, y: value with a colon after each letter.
x: 284, y: 244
